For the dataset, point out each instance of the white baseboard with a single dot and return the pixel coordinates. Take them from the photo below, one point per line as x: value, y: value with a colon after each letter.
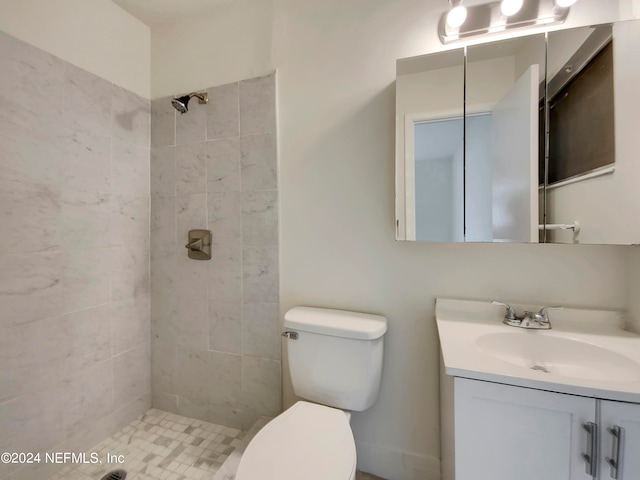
x: 394, y: 464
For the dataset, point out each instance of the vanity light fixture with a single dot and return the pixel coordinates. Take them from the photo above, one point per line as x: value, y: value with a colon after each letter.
x: 461, y: 23
x: 458, y: 14
x: 511, y: 7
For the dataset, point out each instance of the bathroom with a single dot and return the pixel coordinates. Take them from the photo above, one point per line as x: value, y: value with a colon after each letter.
x: 83, y: 288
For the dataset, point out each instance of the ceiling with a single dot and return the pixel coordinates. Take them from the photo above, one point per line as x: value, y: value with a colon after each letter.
x: 153, y: 12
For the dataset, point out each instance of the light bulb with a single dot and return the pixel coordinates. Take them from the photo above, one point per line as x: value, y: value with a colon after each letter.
x: 565, y: 3
x: 511, y: 7
x: 456, y: 17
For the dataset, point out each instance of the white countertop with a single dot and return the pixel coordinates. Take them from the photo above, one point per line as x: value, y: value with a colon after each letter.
x: 468, y: 329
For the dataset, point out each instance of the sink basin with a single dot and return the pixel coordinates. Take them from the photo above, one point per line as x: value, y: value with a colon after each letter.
x: 565, y: 357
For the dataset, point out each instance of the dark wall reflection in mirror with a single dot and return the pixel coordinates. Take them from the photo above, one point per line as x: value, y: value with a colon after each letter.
x: 547, y: 151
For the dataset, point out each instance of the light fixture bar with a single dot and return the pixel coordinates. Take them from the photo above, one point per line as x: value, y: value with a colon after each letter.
x: 488, y: 19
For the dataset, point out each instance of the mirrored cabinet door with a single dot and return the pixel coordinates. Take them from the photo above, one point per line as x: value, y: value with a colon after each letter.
x: 429, y: 147
x: 593, y: 166
x: 504, y: 91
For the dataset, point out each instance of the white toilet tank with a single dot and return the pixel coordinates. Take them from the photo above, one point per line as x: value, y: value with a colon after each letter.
x: 336, y: 359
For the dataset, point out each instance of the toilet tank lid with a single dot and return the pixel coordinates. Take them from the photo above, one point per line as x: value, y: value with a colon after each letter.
x: 337, y: 323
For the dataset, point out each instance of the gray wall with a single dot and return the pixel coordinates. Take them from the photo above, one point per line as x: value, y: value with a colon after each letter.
x: 216, y: 344
x: 74, y: 255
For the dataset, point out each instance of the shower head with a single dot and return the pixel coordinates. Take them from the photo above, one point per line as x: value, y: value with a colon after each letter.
x: 181, y: 104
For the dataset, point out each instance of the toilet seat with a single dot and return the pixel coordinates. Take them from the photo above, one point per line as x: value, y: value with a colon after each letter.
x: 307, y: 441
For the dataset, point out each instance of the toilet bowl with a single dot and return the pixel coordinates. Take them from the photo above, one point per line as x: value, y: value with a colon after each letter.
x: 307, y: 441
x: 335, y: 360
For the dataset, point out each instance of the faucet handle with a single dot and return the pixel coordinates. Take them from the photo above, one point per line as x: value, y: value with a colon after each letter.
x: 543, y: 312
x: 510, y: 314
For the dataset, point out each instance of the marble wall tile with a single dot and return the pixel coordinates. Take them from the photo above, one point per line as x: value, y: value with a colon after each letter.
x: 85, y: 219
x: 223, y: 112
x: 164, y: 367
x: 163, y: 122
x: 31, y: 287
x: 87, y: 101
x: 163, y: 171
x: 129, y: 220
x: 258, y: 105
x: 34, y: 422
x: 225, y: 270
x: 167, y: 402
x: 258, y: 162
x: 191, y: 276
x: 84, y: 162
x: 57, y: 175
x: 131, y: 375
x: 260, y: 274
x: 21, y: 155
x: 129, y: 271
x: 224, y: 211
x: 164, y: 313
x: 193, y: 408
x: 192, y: 126
x: 130, y: 117
x: 123, y: 415
x: 260, y: 218
x: 163, y: 226
x: 32, y: 356
x: 130, y: 323
x: 191, y: 168
x: 29, y: 217
x: 225, y: 387
x: 193, y: 321
x: 129, y: 169
x: 261, y: 385
x: 228, y: 415
x: 88, y: 333
x: 195, y: 375
x: 225, y: 325
x: 86, y: 278
x: 223, y: 165
x: 261, y: 330
x: 88, y: 396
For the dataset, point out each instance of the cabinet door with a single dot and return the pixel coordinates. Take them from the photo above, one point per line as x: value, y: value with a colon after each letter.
x: 505, y: 433
x: 625, y: 416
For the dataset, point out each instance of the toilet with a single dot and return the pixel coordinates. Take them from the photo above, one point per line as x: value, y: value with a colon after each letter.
x: 335, y: 360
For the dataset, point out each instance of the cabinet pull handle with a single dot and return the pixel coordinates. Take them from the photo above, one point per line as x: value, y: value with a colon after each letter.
x: 616, y: 448
x: 590, y: 457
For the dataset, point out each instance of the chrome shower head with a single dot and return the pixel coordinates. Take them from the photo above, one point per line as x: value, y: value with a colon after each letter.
x: 181, y: 104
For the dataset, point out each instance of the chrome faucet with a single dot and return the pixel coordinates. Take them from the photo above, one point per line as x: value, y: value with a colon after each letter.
x: 532, y: 320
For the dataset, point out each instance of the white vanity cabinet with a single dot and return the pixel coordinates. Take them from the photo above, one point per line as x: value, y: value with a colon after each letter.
x: 620, y: 437
x: 504, y: 432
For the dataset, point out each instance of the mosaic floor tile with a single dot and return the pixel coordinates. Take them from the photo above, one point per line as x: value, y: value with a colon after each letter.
x: 160, y: 446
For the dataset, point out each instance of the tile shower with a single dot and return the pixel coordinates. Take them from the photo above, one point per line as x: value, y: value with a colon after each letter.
x: 74, y: 256
x: 99, y: 320
x: 215, y: 336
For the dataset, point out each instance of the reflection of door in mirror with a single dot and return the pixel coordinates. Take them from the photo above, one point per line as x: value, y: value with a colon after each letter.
x: 429, y: 173
x: 438, y: 163
x: 503, y: 82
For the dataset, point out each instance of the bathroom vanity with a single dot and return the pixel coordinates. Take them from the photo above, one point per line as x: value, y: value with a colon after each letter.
x: 550, y: 404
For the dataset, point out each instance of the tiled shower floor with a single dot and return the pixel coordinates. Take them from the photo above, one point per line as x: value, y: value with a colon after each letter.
x: 162, y: 446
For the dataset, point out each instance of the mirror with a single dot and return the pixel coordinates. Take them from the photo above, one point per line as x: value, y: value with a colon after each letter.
x: 429, y: 141
x: 532, y: 170
x: 593, y: 167
x: 503, y: 95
